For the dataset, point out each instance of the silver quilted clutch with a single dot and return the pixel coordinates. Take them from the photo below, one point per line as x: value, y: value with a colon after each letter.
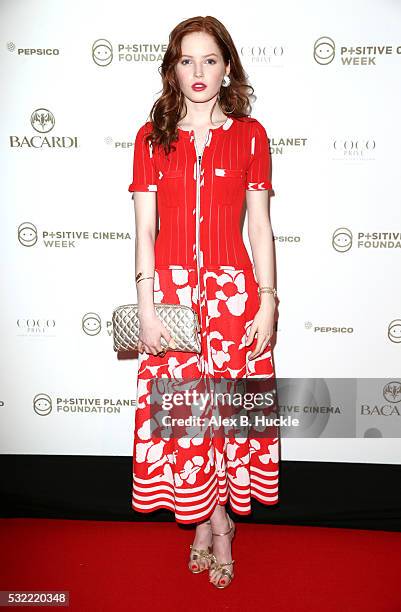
x: 181, y: 322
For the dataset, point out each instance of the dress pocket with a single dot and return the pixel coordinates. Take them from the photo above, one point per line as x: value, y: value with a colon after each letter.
x: 229, y: 182
x: 171, y: 189
x: 228, y: 172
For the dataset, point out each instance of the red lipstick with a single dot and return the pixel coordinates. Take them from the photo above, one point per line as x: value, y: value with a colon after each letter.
x: 199, y: 86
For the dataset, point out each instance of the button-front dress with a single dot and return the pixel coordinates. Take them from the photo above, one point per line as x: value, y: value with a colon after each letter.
x: 201, y: 261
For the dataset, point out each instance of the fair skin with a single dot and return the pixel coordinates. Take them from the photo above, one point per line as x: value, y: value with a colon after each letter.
x: 201, y: 59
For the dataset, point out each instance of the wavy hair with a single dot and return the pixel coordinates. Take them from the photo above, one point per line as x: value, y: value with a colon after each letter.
x: 234, y: 100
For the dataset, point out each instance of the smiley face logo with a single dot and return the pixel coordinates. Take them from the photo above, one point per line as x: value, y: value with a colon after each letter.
x: 27, y: 234
x: 102, y: 52
x: 342, y: 239
x: 394, y: 331
x: 42, y: 404
x: 324, y: 50
x: 91, y: 324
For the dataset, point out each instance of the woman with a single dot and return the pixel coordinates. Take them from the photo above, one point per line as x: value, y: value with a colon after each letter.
x: 195, y: 159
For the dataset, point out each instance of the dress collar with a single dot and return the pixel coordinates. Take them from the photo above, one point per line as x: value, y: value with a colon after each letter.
x: 222, y: 129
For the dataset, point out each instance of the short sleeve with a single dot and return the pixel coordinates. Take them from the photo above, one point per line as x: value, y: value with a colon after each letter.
x: 259, y: 169
x: 144, y: 173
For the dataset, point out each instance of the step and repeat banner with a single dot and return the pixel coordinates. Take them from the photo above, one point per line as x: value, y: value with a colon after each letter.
x: 78, y: 81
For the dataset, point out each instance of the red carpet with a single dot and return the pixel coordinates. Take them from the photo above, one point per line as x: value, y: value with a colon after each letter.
x: 113, y: 567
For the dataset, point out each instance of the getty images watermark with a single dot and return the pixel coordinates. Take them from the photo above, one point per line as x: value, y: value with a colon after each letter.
x: 252, y: 403
x: 268, y: 407
x: 214, y: 407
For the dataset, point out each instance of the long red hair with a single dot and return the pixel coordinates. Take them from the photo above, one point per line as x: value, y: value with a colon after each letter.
x: 234, y: 100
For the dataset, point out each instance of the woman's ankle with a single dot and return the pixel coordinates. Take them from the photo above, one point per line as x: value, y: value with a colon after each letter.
x: 219, y: 517
x: 204, y: 524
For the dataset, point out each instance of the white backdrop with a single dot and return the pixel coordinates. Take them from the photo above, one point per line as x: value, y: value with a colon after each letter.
x: 78, y: 79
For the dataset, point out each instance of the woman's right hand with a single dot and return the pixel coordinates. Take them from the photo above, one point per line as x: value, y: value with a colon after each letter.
x: 150, y: 332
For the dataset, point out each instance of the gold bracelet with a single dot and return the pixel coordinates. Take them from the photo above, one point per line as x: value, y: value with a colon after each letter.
x: 271, y: 290
x: 138, y: 277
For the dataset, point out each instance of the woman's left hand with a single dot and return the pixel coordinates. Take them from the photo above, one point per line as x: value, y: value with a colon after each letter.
x: 262, y: 325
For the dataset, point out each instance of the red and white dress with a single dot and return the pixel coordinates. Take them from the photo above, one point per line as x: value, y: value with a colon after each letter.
x: 201, y: 261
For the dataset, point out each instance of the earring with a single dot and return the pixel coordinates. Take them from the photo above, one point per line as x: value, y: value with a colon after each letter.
x: 226, y: 80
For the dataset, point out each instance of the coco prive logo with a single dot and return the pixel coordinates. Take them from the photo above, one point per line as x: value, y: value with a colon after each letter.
x: 351, y: 149
x: 29, y: 326
x: 262, y: 54
x: 324, y: 52
x: 342, y: 240
x: 102, y: 52
x: 43, y: 121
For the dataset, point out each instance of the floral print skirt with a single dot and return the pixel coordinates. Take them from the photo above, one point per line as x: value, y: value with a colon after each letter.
x: 191, y: 474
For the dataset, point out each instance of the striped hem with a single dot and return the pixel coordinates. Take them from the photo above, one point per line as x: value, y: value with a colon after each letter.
x: 197, y: 504
x: 207, y: 513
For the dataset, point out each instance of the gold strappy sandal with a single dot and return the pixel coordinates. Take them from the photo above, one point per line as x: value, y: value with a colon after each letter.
x: 222, y: 566
x: 199, y: 553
